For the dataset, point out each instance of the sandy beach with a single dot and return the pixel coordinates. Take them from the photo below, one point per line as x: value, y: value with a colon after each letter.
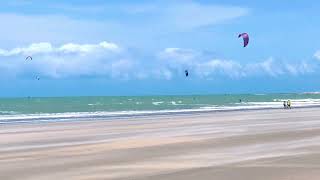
x: 244, y: 145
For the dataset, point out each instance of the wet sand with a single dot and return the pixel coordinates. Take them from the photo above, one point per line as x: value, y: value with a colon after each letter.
x: 250, y: 145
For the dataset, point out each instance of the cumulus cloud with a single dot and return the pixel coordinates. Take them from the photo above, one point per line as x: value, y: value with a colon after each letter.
x: 301, y: 68
x: 69, y: 59
x: 317, y: 55
x: 47, y: 48
x: 178, y: 55
x: 178, y: 59
x: 268, y: 67
x: 109, y: 60
x: 219, y: 67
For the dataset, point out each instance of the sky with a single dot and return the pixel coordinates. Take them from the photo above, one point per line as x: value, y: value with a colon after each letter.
x: 139, y: 47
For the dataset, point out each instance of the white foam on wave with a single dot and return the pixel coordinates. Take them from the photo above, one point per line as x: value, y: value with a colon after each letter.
x: 95, y: 104
x: 157, y: 103
x: 8, y: 112
x: 74, y: 115
x: 275, y: 104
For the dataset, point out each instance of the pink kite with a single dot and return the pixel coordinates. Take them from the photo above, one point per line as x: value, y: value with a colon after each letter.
x: 245, y: 37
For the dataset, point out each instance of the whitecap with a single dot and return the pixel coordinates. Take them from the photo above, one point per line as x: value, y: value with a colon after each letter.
x: 157, y: 103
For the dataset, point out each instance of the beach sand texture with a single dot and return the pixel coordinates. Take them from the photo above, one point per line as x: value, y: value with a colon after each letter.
x: 247, y: 145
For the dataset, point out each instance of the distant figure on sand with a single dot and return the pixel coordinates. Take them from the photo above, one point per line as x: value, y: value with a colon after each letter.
x: 285, y: 104
x: 289, y: 104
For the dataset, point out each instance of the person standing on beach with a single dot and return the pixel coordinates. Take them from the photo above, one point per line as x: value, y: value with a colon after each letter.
x: 289, y: 104
x: 284, y: 104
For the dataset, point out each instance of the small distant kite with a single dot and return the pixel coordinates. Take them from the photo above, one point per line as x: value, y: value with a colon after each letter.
x: 38, y: 78
x: 245, y: 38
x: 186, y: 73
x: 29, y: 58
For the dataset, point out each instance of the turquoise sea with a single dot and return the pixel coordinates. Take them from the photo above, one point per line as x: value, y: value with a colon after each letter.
x: 66, y: 108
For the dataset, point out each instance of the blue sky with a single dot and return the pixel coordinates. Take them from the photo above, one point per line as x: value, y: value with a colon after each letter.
x: 139, y: 47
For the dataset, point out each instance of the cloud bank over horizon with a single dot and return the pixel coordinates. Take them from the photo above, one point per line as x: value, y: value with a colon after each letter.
x: 110, y: 60
x: 209, y: 68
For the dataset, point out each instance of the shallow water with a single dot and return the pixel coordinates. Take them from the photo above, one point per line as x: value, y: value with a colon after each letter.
x: 65, y: 108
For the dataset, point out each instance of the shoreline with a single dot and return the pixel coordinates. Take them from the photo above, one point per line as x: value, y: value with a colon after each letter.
x: 92, y: 116
x: 261, y: 144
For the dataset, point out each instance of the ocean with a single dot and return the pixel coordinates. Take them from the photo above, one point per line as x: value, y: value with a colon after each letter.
x: 44, y: 109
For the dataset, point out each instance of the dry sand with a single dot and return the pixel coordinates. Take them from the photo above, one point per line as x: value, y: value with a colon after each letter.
x: 251, y: 145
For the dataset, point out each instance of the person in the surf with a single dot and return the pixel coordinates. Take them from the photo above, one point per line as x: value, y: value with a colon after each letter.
x: 289, y: 104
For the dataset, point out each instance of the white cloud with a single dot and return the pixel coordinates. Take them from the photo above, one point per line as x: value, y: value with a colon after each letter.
x: 178, y: 55
x: 268, y: 67
x: 109, y: 60
x: 162, y: 73
x: 69, y: 59
x: 275, y: 68
x: 59, y: 23
x: 87, y: 48
x: 219, y: 67
x: 122, y: 69
x: 47, y: 48
x: 317, y: 55
x: 178, y: 59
